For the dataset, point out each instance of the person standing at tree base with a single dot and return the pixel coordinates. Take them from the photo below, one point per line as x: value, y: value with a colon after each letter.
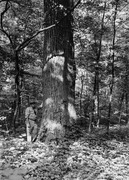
x: 31, y: 126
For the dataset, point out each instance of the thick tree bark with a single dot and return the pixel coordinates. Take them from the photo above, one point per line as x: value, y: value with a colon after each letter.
x: 59, y: 71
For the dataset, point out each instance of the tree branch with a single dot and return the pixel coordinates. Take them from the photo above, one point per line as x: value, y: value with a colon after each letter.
x: 11, y: 1
x: 7, y: 6
x: 28, y: 40
x: 2, y: 14
x: 29, y: 74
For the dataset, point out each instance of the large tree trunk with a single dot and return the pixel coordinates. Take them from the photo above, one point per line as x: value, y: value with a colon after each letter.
x: 59, y: 71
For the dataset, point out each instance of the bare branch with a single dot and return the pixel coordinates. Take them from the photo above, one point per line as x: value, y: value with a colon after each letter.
x: 7, y: 6
x: 11, y: 1
x: 2, y: 14
x: 49, y: 58
x: 29, y: 74
x: 74, y: 7
x: 27, y: 41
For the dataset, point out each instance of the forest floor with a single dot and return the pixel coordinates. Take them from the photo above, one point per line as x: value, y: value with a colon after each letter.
x: 81, y: 156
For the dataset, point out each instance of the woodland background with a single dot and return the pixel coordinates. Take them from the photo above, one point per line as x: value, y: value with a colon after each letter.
x: 100, y: 30
x: 30, y: 52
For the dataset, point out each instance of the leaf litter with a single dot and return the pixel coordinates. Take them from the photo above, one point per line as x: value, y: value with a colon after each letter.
x: 83, y: 156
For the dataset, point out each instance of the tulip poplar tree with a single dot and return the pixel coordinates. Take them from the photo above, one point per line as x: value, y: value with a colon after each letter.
x: 59, y: 71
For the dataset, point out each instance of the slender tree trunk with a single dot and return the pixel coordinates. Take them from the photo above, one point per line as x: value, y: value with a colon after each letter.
x: 127, y: 89
x: 113, y: 59
x: 18, y: 93
x: 120, y: 108
x: 90, y: 122
x: 97, y: 79
x: 127, y: 107
x: 97, y: 97
x: 81, y: 93
x: 59, y: 71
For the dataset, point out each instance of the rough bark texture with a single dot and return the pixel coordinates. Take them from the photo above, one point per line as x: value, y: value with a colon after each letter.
x: 59, y: 71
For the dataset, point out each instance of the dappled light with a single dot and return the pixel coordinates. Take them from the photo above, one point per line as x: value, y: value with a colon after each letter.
x: 56, y: 76
x: 49, y: 102
x: 72, y: 111
x: 52, y: 125
x: 96, y: 156
x: 56, y: 63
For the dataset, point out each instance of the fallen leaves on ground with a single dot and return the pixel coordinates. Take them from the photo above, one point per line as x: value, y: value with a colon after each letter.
x: 80, y: 156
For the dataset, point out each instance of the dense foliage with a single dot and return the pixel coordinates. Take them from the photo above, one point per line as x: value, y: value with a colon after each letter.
x: 37, y: 63
x: 101, y: 53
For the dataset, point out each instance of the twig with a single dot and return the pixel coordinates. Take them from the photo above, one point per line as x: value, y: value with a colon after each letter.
x: 30, y: 74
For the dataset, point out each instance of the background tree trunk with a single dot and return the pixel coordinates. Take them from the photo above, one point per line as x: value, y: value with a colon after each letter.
x: 126, y: 90
x: 17, y: 101
x: 97, y: 69
x: 112, y: 64
x: 81, y: 93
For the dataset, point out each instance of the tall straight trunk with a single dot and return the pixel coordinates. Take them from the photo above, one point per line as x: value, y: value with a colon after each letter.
x: 96, y: 81
x: 113, y: 59
x: 81, y: 93
x: 126, y: 89
x: 127, y: 107
x: 97, y: 97
x: 12, y: 40
x: 120, y: 107
x: 59, y: 71
x: 17, y: 100
x: 94, y: 101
